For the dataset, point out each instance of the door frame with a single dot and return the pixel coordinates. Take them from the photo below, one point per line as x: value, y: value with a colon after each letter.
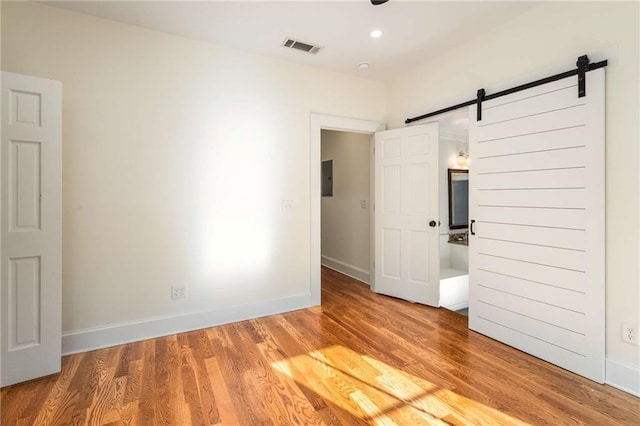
x: 319, y: 122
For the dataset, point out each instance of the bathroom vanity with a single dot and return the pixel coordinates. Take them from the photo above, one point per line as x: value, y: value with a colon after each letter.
x: 454, y: 271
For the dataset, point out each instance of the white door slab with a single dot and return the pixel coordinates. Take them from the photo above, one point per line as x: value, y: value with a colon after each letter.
x: 537, y: 261
x: 30, y: 249
x: 407, y: 256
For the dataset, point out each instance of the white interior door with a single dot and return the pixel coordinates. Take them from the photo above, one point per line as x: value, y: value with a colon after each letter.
x: 537, y: 267
x: 30, y: 249
x: 407, y: 256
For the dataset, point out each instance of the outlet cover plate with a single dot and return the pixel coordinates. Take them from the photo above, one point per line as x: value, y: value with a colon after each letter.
x: 178, y: 291
x: 629, y: 333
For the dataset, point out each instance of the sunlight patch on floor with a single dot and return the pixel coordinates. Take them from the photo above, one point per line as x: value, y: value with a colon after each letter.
x: 381, y: 394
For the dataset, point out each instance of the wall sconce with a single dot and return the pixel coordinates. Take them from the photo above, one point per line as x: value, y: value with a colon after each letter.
x: 462, y: 159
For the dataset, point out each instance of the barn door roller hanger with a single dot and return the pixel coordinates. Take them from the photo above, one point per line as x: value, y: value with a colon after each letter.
x: 583, y: 65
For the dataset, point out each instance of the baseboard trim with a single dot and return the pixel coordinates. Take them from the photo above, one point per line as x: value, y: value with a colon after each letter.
x: 457, y: 306
x: 132, y: 331
x: 344, y: 268
x: 623, y: 376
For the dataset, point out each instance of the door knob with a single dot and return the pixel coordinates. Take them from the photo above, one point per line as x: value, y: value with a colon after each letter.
x: 433, y: 223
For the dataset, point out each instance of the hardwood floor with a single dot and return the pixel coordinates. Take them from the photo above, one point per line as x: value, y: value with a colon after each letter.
x: 359, y: 359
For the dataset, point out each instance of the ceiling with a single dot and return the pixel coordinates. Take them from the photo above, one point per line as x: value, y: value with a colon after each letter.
x: 412, y: 30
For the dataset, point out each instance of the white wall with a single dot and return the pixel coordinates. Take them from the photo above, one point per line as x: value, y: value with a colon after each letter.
x: 544, y: 41
x: 177, y: 156
x: 345, y: 242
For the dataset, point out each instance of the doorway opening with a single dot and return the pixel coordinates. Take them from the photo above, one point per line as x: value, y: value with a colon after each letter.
x: 347, y: 193
x: 453, y: 202
x: 319, y: 122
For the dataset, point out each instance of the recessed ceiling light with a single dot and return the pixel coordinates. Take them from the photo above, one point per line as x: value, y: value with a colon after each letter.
x: 363, y: 65
x: 376, y: 34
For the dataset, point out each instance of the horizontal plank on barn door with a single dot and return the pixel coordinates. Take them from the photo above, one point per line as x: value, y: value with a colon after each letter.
x: 571, y: 299
x: 549, y: 277
x: 532, y: 255
x: 541, y: 198
x: 559, y: 178
x: 551, y: 140
x: 552, y: 218
x: 542, y: 123
x: 569, y: 158
x: 549, y: 99
x: 552, y: 314
x: 545, y: 334
x: 567, y: 324
x: 568, y: 239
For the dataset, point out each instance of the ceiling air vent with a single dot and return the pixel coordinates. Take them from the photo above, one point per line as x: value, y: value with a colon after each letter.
x: 301, y: 45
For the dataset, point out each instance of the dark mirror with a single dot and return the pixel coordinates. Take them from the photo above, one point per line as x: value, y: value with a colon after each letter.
x: 458, y: 199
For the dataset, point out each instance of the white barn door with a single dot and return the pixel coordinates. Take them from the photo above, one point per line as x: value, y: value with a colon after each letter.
x: 30, y: 249
x: 537, y: 198
x: 407, y: 253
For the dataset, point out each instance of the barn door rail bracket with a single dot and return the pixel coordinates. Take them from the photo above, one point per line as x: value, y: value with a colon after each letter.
x: 583, y: 65
x: 480, y: 98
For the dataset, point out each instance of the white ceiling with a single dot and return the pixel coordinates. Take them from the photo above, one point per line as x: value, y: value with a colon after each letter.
x: 412, y: 30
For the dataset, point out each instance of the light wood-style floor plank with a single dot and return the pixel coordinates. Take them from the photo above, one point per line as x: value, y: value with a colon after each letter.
x: 358, y: 359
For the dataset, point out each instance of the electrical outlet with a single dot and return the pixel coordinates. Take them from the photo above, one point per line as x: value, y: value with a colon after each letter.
x: 629, y: 333
x: 178, y: 291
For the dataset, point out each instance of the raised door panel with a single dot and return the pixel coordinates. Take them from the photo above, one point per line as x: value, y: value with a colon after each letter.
x: 24, y: 303
x: 24, y: 164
